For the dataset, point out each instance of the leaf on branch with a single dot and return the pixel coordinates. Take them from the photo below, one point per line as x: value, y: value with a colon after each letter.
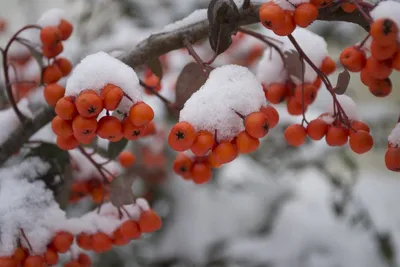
x: 115, y: 148
x: 223, y: 16
x: 386, y: 247
x: 189, y: 81
x: 121, y: 190
x: 34, y: 53
x: 342, y: 82
x: 294, y: 64
x: 156, y: 67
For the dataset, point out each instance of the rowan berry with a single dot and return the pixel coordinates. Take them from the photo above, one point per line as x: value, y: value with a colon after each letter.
x: 130, y: 229
x: 112, y: 97
x: 384, y: 31
x: 305, y: 14
x: 53, y: 50
x: 204, y: 142
x: 64, y: 65
x: 276, y: 93
x: 305, y: 93
x: 257, y: 124
x: 378, y: 69
x: 336, y: 136
x: 66, y: 29
x: 392, y: 159
x: 110, y: 128
x: 62, y: 241
x: 396, y: 61
x: 84, y: 126
x: 366, y: 77
x: 84, y: 241
x: 51, y: 74
x: 132, y: 132
x: 272, y: 114
x: 353, y: 59
x: 224, y: 152
x: 201, y: 172
x: 183, y: 166
x: 65, y: 108
x: 119, y: 239
x: 295, y: 135
x: 383, y: 52
x: 89, y: 104
x: 61, y: 127
x: 51, y: 256
x: 316, y: 129
x: 141, y: 114
x: 67, y: 143
x: 101, y: 242
x: 272, y: 16
x: 381, y: 88
x: 85, y: 139
x: 328, y: 67
x: 8, y: 262
x: 182, y: 136
x: 359, y: 125
x: 126, y: 159
x: 34, y: 261
x: 84, y: 260
x: 149, y: 221
x: 18, y: 256
x: 287, y: 27
x: 52, y: 93
x: 245, y: 143
x: 72, y: 263
x: 294, y: 107
x: 50, y: 35
x: 348, y: 7
x: 361, y: 142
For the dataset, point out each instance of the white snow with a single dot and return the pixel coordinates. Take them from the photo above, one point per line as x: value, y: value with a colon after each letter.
x: 387, y: 9
x: 195, y: 17
x: 348, y: 105
x: 51, y: 17
x: 394, y: 136
x: 99, y: 69
x: 228, y: 89
x: 271, y: 68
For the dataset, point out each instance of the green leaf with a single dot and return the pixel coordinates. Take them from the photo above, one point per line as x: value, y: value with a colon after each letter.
x: 115, y: 148
x: 156, y: 67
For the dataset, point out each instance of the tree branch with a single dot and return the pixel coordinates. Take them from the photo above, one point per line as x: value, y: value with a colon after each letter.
x: 155, y: 46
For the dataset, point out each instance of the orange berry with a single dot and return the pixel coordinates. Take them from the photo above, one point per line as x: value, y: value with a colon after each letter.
x: 288, y: 26
x: 317, y: 83
x: 84, y: 260
x: 245, y: 143
x: 224, y: 152
x: 66, y: 29
x: 89, y: 104
x: 130, y: 131
x: 84, y: 241
x: 295, y: 135
x: 383, y: 52
x: 141, y: 114
x: 317, y: 129
x: 257, y: 124
x: 381, y: 88
x: 348, y: 7
x: 294, y: 107
x: 271, y: 16
x: 182, y: 136
x: 212, y: 161
x: 182, y: 166
x: 396, y: 61
x: 52, y: 93
x: 305, y: 93
x: 149, y: 221
x: 8, y: 262
x: 34, y: 261
x: 150, y: 129
x: 52, y: 50
x: 98, y: 196
x: 50, y: 35
x: 328, y: 66
x: 64, y: 65
x: 275, y: 93
x: 51, y: 74
x: 361, y: 142
x: 378, y: 69
x: 126, y: 159
x: 305, y: 14
x: 61, y: 127
x: 85, y: 139
x: 119, y: 239
x: 109, y: 127
x: 201, y: 173
x: 130, y: 229
x: 113, y: 97
x: 101, y: 242
x: 84, y: 126
x: 353, y: 59
x: 336, y: 136
x: 366, y: 78
x: 359, y: 125
x: 392, y: 159
x: 384, y: 31
x: 66, y: 109
x: 67, y: 143
x: 18, y: 256
x: 62, y: 241
x: 272, y: 114
x: 51, y: 256
x: 204, y: 142
x: 72, y: 263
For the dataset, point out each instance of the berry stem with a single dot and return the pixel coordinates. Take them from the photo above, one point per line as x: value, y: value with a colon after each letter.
x: 8, y: 85
x: 26, y: 239
x: 157, y: 94
x: 363, y: 42
x: 302, y: 91
x: 325, y: 80
x: 98, y: 166
x: 193, y: 53
x: 240, y: 115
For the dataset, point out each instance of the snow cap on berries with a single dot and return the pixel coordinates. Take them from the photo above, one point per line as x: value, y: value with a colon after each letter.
x: 394, y: 136
x: 387, y: 9
x: 271, y: 68
x: 51, y: 17
x: 229, y: 89
x: 348, y: 105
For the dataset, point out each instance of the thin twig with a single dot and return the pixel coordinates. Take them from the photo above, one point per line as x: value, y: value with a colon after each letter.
x: 98, y: 167
x: 26, y: 239
x: 206, y: 68
x: 157, y: 94
x: 246, y: 4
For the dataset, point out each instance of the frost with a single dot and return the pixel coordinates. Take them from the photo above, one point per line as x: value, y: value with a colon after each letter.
x: 348, y: 105
x: 99, y: 69
x: 229, y: 89
x: 387, y: 9
x: 193, y: 18
x: 271, y: 68
x: 51, y: 17
x: 394, y: 136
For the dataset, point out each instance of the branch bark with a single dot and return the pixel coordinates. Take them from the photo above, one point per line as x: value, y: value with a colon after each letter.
x: 155, y: 46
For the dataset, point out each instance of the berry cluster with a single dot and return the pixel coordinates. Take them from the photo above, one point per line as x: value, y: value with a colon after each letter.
x: 210, y: 153
x: 151, y: 80
x: 76, y: 121
x: 51, y: 37
x: 298, y: 97
x: 98, y: 191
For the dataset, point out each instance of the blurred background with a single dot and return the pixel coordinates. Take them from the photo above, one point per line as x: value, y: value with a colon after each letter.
x: 278, y: 207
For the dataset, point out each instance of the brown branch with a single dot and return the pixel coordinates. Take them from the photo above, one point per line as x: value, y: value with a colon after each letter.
x: 155, y: 46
